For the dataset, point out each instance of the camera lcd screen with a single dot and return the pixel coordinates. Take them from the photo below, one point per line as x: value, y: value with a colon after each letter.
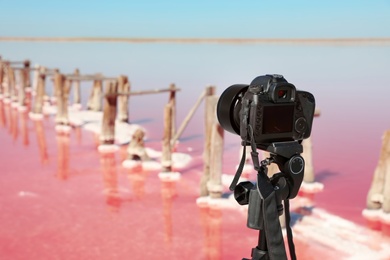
x: 278, y: 119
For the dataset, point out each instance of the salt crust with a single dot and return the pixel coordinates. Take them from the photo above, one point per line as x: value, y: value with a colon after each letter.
x: 312, y: 187
x: 376, y: 215
x: 63, y: 129
x: 169, y: 176
x: 108, y: 148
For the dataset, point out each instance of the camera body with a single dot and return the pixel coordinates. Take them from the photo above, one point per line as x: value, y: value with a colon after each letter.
x: 274, y: 109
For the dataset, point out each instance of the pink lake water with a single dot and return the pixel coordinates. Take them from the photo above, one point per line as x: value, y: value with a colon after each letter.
x: 51, y: 184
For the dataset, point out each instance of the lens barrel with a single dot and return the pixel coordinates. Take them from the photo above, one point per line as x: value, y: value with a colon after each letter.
x: 228, y: 108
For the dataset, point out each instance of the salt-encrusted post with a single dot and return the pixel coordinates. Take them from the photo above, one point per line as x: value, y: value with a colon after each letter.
x: 379, y: 193
x: 76, y: 90
x: 10, y: 90
x: 209, y: 120
x: 40, y: 91
x: 95, y: 99
x: 107, y: 136
x: 188, y: 118
x: 172, y: 101
x: 62, y: 88
x: 36, y: 73
x: 123, y: 100
x: 1, y: 77
x: 25, y: 83
x: 214, y: 185
x: 308, y: 156
x: 136, y: 150
x: 166, y: 159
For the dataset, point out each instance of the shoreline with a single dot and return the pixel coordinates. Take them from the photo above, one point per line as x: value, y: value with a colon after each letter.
x: 343, y: 41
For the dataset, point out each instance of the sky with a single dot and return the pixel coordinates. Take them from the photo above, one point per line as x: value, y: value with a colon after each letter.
x: 195, y: 19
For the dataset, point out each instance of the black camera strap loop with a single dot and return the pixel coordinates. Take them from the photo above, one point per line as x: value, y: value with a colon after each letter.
x: 239, y: 170
x: 254, y: 153
x: 244, y: 135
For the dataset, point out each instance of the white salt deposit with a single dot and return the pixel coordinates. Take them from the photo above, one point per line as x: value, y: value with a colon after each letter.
x: 169, y: 176
x: 35, y: 116
x: 313, y: 187
x: 108, y: 148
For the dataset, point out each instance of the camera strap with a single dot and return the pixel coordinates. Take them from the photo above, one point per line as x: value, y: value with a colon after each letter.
x: 239, y: 169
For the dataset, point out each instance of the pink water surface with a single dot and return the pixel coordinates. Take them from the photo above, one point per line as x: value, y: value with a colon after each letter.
x: 61, y: 199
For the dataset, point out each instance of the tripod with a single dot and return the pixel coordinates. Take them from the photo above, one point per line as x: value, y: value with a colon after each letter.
x: 265, y: 198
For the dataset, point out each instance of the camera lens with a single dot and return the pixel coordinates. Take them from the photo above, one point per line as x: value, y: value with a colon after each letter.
x: 228, y: 108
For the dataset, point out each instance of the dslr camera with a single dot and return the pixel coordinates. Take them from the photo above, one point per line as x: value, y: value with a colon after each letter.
x: 271, y: 107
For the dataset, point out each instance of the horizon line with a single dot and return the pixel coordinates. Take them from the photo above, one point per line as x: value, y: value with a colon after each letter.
x: 227, y: 40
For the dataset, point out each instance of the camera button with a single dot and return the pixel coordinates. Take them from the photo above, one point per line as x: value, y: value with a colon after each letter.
x: 300, y: 125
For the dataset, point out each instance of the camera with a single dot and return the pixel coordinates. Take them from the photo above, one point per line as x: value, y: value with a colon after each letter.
x: 271, y: 107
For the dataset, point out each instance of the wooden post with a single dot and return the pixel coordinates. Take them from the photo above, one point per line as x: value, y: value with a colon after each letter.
x: 123, y: 100
x: 10, y: 90
x: 76, y: 89
x: 136, y: 149
x: 379, y: 193
x: 166, y: 159
x: 24, y: 83
x: 209, y: 120
x: 188, y: 117
x: 172, y: 101
x: 36, y: 73
x: 308, y: 156
x: 214, y: 185
x: 40, y: 91
x: 95, y: 99
x: 62, y: 88
x: 1, y: 76
x: 109, y: 113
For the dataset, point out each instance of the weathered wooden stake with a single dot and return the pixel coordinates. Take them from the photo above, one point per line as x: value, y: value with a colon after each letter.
x: 123, y: 100
x: 379, y: 193
x: 136, y: 149
x: 35, y: 80
x: 62, y: 88
x: 25, y: 83
x: 40, y: 91
x: 95, y: 99
x: 109, y: 113
x: 76, y: 89
x: 307, y: 154
x: 172, y: 101
x: 214, y: 185
x: 188, y: 117
x: 166, y: 159
x: 10, y: 89
x: 209, y: 120
x: 1, y: 76
x: 308, y: 157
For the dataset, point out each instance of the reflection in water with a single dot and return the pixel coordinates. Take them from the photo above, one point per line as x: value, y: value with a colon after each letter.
x: 9, y: 114
x: 23, y: 122
x: 14, y: 124
x: 78, y: 134
x: 110, y: 179
x: 168, y: 193
x: 63, y: 156
x: 41, y: 138
x: 137, y: 181
x: 211, y: 220
x: 3, y: 118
